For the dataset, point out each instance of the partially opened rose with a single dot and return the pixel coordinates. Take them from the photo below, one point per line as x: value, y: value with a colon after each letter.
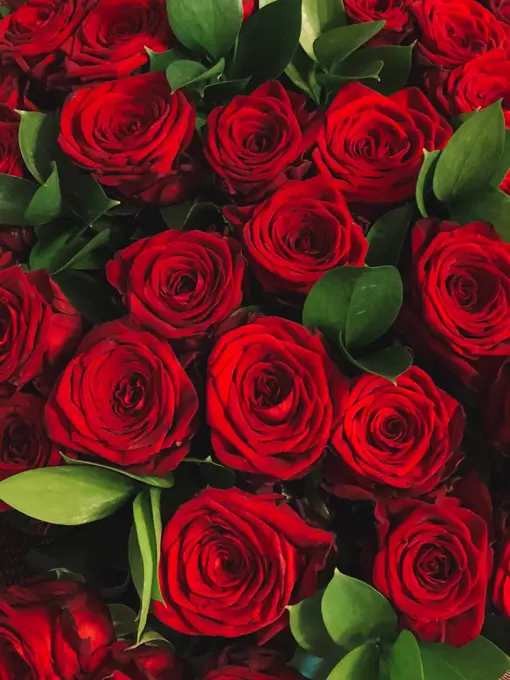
x: 396, y: 13
x: 500, y: 9
x: 11, y: 161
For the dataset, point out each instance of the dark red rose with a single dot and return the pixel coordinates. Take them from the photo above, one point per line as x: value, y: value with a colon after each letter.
x: 17, y: 240
x: 505, y: 184
x: 110, y: 42
x: 372, y: 145
x: 456, y: 307
x: 32, y: 34
x: 248, y: 7
x: 269, y: 404
x: 125, y: 399
x: 179, y: 284
x: 476, y: 84
x: 254, y: 143
x: 132, y: 134
x: 396, y: 13
x: 501, y: 588
x: 500, y: 8
x: 395, y: 439
x: 6, y: 258
x: 250, y: 663
x: 299, y: 233
x: 231, y: 563
x: 452, y: 32
x: 48, y: 629
x: 497, y: 410
x: 11, y: 162
x: 434, y: 564
x: 13, y: 87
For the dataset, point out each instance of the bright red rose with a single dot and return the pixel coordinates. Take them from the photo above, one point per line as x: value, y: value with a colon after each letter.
x: 269, y: 398
x: 6, y: 258
x: 299, y: 233
x: 501, y: 588
x: 132, y: 135
x: 500, y: 8
x: 254, y: 143
x: 248, y: 7
x: 231, y: 562
x: 48, y: 629
x: 124, y: 399
x: 179, y: 284
x: 452, y: 32
x: 434, y: 564
x: 395, y: 439
x: 457, y: 305
x: 11, y: 162
x: 110, y: 42
x: 372, y: 145
x: 396, y: 13
x: 497, y: 411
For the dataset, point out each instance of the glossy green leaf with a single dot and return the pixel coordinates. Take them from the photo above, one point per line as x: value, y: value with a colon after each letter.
x: 307, y: 627
x: 155, y: 498
x: 300, y: 71
x: 436, y: 668
x: 38, y: 133
x: 165, y: 482
x: 319, y: 16
x: 160, y: 61
x: 472, y: 156
x: 186, y: 73
x: 267, y: 42
x: 15, y: 196
x: 206, y: 26
x: 360, y: 664
x: 67, y: 495
x: 425, y: 180
x: 478, y: 660
x: 46, y: 205
x: 88, y: 296
x: 353, y: 611
x: 405, y: 658
x: 60, y: 252
x: 397, y: 61
x: 387, y: 236
x: 389, y: 362
x: 339, y: 43
x: 350, y: 70
x: 492, y: 205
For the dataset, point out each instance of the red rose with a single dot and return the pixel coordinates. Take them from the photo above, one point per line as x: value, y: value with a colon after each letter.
x: 396, y: 13
x: 254, y: 142
x: 269, y: 405
x: 13, y: 87
x: 372, y: 145
x: 132, y: 135
x: 500, y: 8
x: 6, y: 258
x: 497, y: 411
x: 505, y: 184
x: 125, y: 399
x: 231, y: 563
x: 248, y: 7
x: 402, y: 438
x: 434, y: 563
x: 17, y: 240
x: 179, y: 284
x: 475, y: 84
x: 11, y: 162
x: 250, y: 663
x: 453, y: 32
x: 48, y: 629
x: 299, y: 233
x: 110, y: 42
x: 32, y: 34
x: 457, y: 305
x: 501, y: 588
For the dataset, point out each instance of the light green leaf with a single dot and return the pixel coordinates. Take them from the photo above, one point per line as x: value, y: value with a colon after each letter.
x: 38, y: 134
x: 387, y: 236
x: 206, y: 26
x: 435, y: 668
x: 339, y: 43
x: 67, y: 495
x: 165, y: 482
x: 152, y: 637
x: 155, y: 497
x: 424, y: 183
x: 319, y: 16
x: 405, y: 658
x: 46, y: 205
x: 472, y: 156
x: 478, y: 660
x: 360, y: 664
x: 307, y: 627
x: 15, y: 196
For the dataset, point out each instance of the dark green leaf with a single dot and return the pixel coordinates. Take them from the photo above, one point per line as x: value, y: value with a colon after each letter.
x: 319, y: 16
x: 15, y: 196
x: 424, y: 183
x: 360, y: 664
x: 223, y: 91
x: 175, y: 216
x: 87, y: 295
x: 492, y: 205
x: 67, y: 495
x: 206, y: 25
x: 397, y: 60
x: 267, y: 42
x: 46, y: 204
x: 165, y: 482
x: 472, y: 156
x: 353, y: 611
x: 60, y: 252
x: 339, y: 43
x: 307, y: 626
x: 4, y: 11
x: 478, y: 660
x: 38, y: 134
x: 160, y: 61
x: 124, y: 620
x: 300, y: 72
x: 386, y: 237
x: 435, y: 668
x: 405, y: 658
x: 214, y: 474
x: 388, y: 363
x: 504, y: 166
x: 186, y: 73
x: 350, y: 70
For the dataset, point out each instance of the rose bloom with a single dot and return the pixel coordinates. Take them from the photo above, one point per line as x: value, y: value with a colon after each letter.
x: 302, y: 231
x: 269, y: 404
x: 372, y: 145
x: 395, y: 439
x: 124, y: 399
x: 17, y: 240
x: 501, y: 587
x: 132, y: 135
x: 500, y: 8
x: 452, y: 32
x: 11, y: 161
x: 396, y: 13
x: 13, y: 87
x: 434, y: 564
x: 255, y: 142
x: 237, y: 662
x: 179, y: 284
x: 142, y: 663
x: 456, y: 305
x: 110, y: 42
x: 497, y: 411
x: 231, y: 562
x: 249, y: 7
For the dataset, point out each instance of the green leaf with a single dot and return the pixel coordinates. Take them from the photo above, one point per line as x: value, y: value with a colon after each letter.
x: 206, y: 26
x: 59, y: 252
x: 152, y: 637
x: 46, y: 204
x: 339, y: 43
x: 491, y: 205
x: 300, y: 71
x: 425, y: 179
x: 4, y: 11
x: 472, y: 156
x: 185, y: 73
x: 223, y: 91
x: 160, y: 61
x: 319, y: 16
x: 155, y: 497
x: 387, y: 236
x: 397, y: 60
x: 267, y: 42
x: 350, y: 70
x: 435, y: 668
x: 38, y: 134
x: 353, y: 611
x: 214, y: 474
x: 405, y: 658
x: 161, y: 482
x: 388, y: 363
x: 124, y: 620
x: 87, y: 295
x: 67, y: 495
x: 15, y: 196
x: 360, y: 664
x: 307, y: 627
x: 504, y: 165
x: 361, y: 303
x: 478, y: 660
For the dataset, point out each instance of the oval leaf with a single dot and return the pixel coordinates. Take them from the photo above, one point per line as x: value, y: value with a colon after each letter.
x: 307, y: 626
x: 124, y: 619
x: 478, y: 660
x: 360, y: 664
x: 162, y: 482
x: 46, y: 204
x: 405, y: 658
x: 425, y: 178
x: 336, y: 45
x: 319, y: 16
x: 15, y: 196
x: 389, y: 362
x: 38, y: 134
x: 491, y: 205
x: 386, y: 237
